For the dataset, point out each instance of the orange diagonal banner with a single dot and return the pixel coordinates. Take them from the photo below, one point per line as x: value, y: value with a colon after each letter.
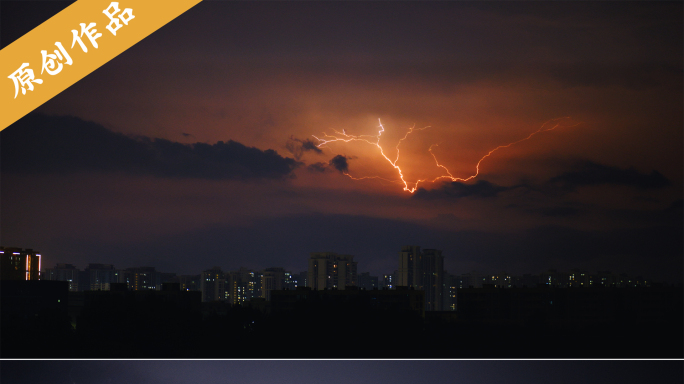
x: 72, y: 44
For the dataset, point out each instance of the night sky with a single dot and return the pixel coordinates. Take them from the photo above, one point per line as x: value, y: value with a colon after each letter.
x: 333, y: 372
x: 195, y: 147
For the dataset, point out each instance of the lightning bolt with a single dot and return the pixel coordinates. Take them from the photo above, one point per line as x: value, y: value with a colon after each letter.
x: 343, y: 136
x: 411, y: 187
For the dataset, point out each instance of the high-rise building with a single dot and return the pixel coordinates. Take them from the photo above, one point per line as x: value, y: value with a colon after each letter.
x: 99, y: 277
x: 450, y: 292
x: 433, y: 279
x: 272, y: 278
x: 141, y: 278
x: 328, y: 270
x: 409, y: 273
x: 64, y: 272
x: 498, y: 280
x: 213, y: 285
x: 291, y: 280
x: 243, y: 285
x: 302, y: 279
x: 19, y: 264
x: 423, y: 271
x: 366, y: 281
x: 389, y: 281
x: 472, y: 279
x: 188, y: 282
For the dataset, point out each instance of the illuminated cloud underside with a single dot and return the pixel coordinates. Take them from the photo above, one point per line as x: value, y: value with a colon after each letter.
x: 338, y: 136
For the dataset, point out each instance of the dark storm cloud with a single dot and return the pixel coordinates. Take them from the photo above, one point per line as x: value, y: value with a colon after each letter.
x: 631, y: 76
x: 672, y: 214
x: 560, y: 211
x: 20, y: 17
x: 587, y: 173
x: 583, y: 173
x: 573, y: 43
x: 340, y: 163
x: 297, y: 147
x: 317, y: 167
x: 44, y: 144
x: 308, y: 145
x: 457, y: 190
x: 445, y: 74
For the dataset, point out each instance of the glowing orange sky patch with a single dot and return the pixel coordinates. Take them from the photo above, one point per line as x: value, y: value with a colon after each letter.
x: 374, y: 140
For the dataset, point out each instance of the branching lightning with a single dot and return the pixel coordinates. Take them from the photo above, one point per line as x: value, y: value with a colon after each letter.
x: 411, y: 187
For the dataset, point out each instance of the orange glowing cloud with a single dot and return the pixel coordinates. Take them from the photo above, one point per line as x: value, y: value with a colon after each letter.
x: 412, y: 186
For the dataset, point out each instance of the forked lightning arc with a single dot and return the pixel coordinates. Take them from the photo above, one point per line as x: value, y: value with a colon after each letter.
x: 338, y: 136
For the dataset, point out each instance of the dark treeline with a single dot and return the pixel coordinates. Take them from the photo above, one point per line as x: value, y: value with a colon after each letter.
x: 163, y: 325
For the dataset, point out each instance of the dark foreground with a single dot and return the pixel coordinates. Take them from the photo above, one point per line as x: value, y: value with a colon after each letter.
x: 176, y: 325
